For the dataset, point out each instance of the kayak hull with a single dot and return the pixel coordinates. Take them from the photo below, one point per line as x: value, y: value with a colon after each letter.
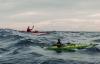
x: 69, y: 48
x: 61, y: 49
x: 35, y: 33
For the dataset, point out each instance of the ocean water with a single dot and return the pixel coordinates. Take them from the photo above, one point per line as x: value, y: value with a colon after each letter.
x: 26, y: 48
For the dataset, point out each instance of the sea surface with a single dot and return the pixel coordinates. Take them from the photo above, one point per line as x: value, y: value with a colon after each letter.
x: 27, y: 48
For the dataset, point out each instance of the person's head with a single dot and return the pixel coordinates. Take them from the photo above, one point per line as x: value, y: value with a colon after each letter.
x: 28, y: 26
x: 58, y: 40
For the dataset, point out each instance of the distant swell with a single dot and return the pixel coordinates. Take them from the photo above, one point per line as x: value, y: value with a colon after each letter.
x: 97, y: 40
x: 26, y: 48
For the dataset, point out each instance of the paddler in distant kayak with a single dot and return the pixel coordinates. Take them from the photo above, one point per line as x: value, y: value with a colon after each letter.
x: 59, y: 44
x: 30, y: 30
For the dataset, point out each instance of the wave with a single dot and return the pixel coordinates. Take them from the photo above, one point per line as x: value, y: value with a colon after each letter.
x: 97, y: 40
x: 17, y: 48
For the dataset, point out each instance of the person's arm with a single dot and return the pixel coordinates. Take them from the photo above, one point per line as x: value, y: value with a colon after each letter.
x: 32, y: 27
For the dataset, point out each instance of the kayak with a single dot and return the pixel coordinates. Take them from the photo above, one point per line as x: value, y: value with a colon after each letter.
x: 70, y: 47
x: 35, y: 33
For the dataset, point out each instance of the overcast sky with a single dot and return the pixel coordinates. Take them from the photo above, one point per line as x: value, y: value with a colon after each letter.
x: 68, y: 15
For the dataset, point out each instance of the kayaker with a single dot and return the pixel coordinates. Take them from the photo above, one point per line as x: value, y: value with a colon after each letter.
x: 59, y: 44
x: 29, y: 30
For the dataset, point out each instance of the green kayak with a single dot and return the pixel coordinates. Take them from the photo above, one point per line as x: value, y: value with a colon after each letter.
x: 70, y: 47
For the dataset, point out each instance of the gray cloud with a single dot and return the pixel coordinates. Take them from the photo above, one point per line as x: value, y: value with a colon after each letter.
x: 35, y: 11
